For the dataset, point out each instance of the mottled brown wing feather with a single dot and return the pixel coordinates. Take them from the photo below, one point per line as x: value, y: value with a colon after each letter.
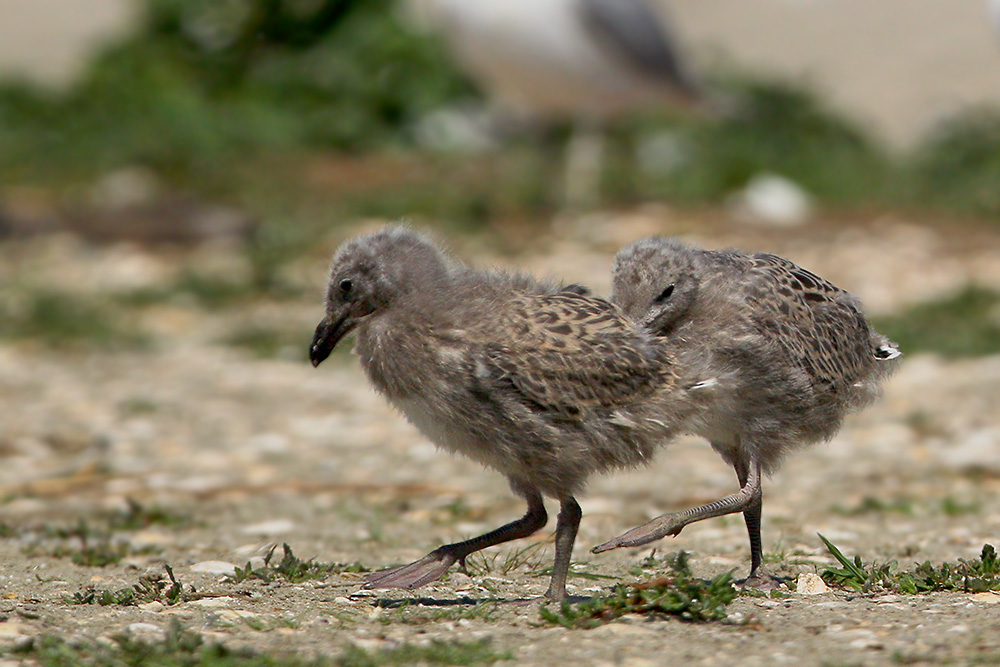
x: 815, y: 321
x: 572, y: 353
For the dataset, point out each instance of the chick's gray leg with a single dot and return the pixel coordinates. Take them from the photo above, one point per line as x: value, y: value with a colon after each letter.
x: 759, y: 576
x: 673, y: 522
x: 566, y: 526
x: 434, y: 565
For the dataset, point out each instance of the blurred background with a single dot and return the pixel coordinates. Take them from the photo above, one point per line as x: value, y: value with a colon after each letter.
x: 177, y: 135
x: 174, y: 175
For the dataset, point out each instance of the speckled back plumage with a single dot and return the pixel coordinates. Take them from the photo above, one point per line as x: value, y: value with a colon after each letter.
x: 539, y: 381
x: 787, y: 353
x: 571, y: 353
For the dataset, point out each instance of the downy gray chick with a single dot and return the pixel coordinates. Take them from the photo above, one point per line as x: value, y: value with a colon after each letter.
x: 541, y: 382
x: 784, y: 353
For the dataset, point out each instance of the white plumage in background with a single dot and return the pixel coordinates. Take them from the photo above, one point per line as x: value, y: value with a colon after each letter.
x: 586, y: 61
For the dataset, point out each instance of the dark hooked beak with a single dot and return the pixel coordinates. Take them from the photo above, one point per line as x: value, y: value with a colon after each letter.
x: 328, y: 334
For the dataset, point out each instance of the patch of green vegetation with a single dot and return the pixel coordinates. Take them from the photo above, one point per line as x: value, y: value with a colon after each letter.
x: 436, y: 653
x: 99, y: 553
x: 59, y: 319
x: 138, y: 405
x: 87, y: 545
x: 270, y: 343
x: 169, y: 591
x: 206, y: 291
x: 854, y: 573
x: 925, y: 425
x: 100, y: 543
x: 213, y: 292
x: 957, y: 167
x: 778, y: 128
x: 291, y: 568
x: 870, y: 504
x: 137, y: 516
x: 199, y: 84
x: 972, y: 654
x: 180, y: 648
x: 975, y: 575
x: 303, y: 115
x: 679, y: 594
x: 776, y: 594
x: 951, y: 506
x: 963, y: 325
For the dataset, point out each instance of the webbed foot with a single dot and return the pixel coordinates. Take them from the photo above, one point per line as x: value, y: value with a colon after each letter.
x: 430, y: 568
x: 661, y: 526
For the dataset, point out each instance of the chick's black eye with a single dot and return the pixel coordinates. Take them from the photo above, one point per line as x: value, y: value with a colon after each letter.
x: 665, y: 294
x: 345, y: 286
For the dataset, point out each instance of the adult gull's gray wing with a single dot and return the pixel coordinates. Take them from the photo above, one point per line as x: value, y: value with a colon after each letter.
x: 640, y: 36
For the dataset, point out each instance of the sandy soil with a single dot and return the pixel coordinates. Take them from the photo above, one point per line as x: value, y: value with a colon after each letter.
x: 258, y: 452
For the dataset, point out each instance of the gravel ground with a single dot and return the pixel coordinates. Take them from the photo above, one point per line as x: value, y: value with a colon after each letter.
x: 256, y: 452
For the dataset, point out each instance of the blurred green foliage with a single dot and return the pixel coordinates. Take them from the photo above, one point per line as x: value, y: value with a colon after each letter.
x: 957, y: 167
x: 237, y: 98
x: 966, y: 324
x: 61, y: 320
x: 779, y: 128
x: 201, y: 83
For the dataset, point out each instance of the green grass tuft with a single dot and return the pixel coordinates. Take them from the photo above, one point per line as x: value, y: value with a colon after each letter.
x: 291, y: 568
x: 184, y: 648
x: 975, y: 575
x: 679, y: 594
x: 179, y: 648
x: 169, y: 591
x: 436, y: 653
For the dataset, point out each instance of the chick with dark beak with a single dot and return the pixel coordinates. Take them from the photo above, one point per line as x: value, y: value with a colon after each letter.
x: 537, y: 380
x: 329, y: 332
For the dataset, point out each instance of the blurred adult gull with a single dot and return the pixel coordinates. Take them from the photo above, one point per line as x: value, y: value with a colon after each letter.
x: 587, y: 61
x: 994, y: 9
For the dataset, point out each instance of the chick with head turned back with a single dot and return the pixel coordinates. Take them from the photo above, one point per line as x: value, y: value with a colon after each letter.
x: 539, y: 381
x: 786, y: 355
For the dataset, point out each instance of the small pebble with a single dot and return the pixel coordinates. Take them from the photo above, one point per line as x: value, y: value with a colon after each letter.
x: 274, y: 527
x: 211, y: 603
x: 214, y: 567
x: 146, y: 631
x: 810, y: 583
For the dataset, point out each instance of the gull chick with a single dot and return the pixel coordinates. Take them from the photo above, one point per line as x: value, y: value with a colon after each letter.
x: 541, y: 382
x: 786, y: 355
